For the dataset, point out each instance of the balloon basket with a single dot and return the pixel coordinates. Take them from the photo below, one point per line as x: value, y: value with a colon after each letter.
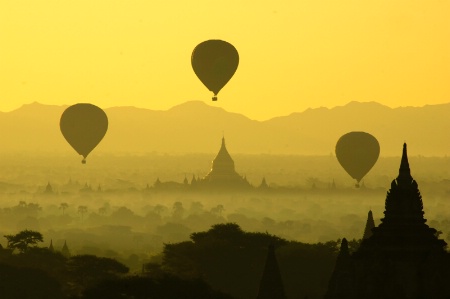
x: 357, y: 185
x: 83, y: 161
x: 214, y: 98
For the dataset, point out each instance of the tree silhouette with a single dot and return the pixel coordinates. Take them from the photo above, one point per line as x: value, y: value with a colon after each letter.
x: 31, y: 209
x: 159, y: 209
x: 24, y: 239
x: 82, y: 210
x: 196, y: 207
x: 178, y: 210
x: 232, y: 260
x: 223, y: 249
x: 52, y: 262
x: 218, y: 210
x: 102, y: 211
x: 88, y: 270
x: 63, y: 206
x: 28, y: 283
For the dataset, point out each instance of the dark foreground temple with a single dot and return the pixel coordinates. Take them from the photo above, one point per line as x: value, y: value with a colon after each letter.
x: 271, y: 285
x: 402, y: 258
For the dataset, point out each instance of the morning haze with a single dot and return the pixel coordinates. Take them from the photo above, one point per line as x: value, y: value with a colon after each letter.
x: 242, y: 197
x: 195, y: 192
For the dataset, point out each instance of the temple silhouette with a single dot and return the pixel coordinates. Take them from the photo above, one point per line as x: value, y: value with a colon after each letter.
x: 402, y: 257
x: 222, y: 176
x: 271, y: 285
x: 222, y: 173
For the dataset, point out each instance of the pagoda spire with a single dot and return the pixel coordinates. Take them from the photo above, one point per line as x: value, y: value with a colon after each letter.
x: 51, y: 246
x: 343, y: 251
x: 65, y: 250
x: 223, y: 163
x: 404, y: 173
x: 271, y: 286
x: 223, y: 141
x: 369, y: 225
x: 403, y: 227
x: 263, y: 184
x: 403, y: 199
x: 48, y: 189
x: 341, y: 279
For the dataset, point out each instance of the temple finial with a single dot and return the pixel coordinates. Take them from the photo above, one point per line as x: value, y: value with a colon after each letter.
x: 344, y: 247
x: 370, y: 223
x: 271, y: 284
x: 404, y: 174
x: 51, y: 246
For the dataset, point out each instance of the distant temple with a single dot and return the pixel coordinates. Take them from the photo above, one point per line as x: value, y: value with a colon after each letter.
x: 65, y: 250
x: 222, y: 173
x: 222, y: 176
x: 401, y: 258
x: 369, y: 225
x: 263, y: 185
x: 48, y: 189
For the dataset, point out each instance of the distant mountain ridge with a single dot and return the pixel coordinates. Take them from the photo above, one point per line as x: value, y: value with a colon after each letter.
x: 194, y: 127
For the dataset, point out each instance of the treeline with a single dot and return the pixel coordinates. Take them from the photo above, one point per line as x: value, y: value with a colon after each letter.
x: 31, y: 272
x: 232, y: 260
x: 131, y: 234
x: 223, y: 260
x: 120, y: 232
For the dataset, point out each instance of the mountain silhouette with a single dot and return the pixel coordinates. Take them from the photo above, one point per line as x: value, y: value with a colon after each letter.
x: 194, y: 127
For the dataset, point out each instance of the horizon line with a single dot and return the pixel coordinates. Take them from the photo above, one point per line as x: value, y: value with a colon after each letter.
x: 205, y: 103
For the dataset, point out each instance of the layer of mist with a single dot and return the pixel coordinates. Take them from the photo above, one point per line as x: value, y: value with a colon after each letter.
x: 109, y: 207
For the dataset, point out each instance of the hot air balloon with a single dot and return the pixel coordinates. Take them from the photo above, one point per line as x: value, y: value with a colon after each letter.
x: 83, y: 125
x: 357, y: 153
x: 215, y: 62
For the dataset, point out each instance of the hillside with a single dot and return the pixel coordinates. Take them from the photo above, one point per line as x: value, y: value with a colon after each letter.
x: 195, y: 127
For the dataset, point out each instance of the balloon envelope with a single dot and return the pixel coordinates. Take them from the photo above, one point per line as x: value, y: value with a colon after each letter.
x: 215, y: 62
x: 83, y: 126
x: 357, y: 153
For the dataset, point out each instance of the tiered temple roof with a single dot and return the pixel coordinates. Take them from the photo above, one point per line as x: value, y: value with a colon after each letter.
x: 403, y: 227
x: 403, y: 258
x: 223, y: 173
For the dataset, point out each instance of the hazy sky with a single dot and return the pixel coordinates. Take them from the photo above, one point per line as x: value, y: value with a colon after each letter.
x: 293, y: 54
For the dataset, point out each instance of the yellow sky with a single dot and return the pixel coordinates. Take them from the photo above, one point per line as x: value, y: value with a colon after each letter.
x: 293, y: 54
